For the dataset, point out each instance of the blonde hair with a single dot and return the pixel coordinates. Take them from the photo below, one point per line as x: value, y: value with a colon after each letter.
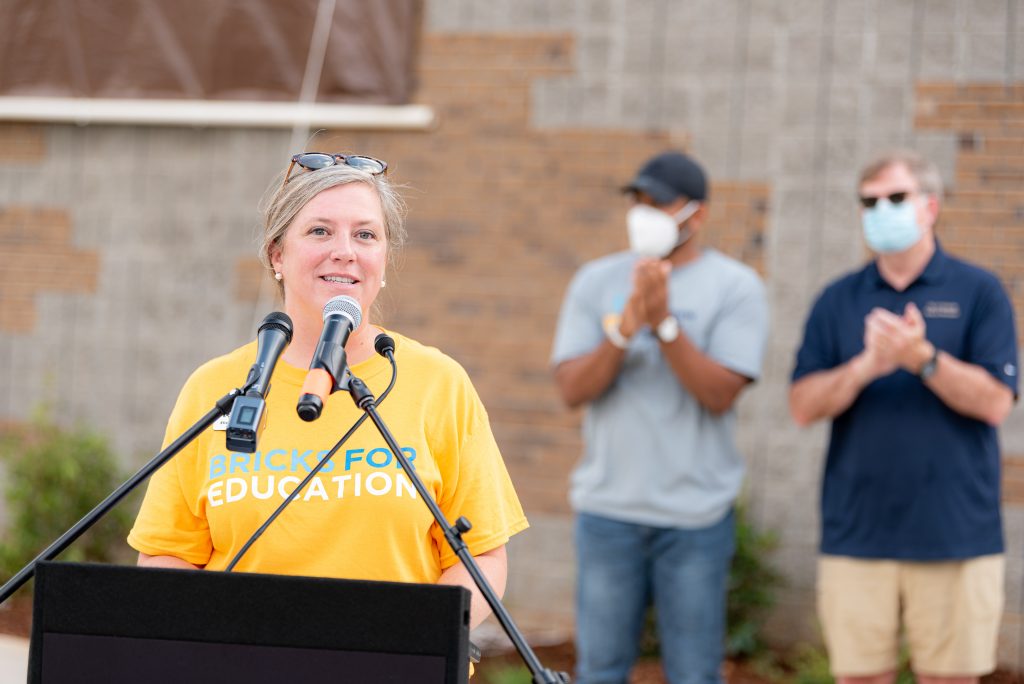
x: 929, y: 181
x: 284, y: 202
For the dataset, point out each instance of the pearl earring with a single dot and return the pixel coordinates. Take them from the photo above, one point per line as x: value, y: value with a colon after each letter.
x: 278, y: 276
x: 383, y: 282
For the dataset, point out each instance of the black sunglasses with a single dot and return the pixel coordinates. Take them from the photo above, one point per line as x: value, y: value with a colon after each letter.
x: 895, y: 198
x: 313, y: 161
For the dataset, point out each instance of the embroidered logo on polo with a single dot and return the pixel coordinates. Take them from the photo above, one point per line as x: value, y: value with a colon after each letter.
x: 941, y: 310
x: 260, y: 475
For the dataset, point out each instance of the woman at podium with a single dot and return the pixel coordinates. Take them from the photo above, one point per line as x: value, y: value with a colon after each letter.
x: 332, y: 228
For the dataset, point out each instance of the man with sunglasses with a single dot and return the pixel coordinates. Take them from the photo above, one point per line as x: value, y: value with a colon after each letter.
x: 658, y: 342
x: 914, y: 360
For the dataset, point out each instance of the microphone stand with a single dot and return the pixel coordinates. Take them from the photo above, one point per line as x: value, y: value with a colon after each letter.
x: 364, y: 399
x: 222, y: 407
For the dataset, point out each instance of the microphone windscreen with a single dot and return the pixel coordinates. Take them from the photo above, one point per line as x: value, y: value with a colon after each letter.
x: 346, y: 306
x: 383, y: 344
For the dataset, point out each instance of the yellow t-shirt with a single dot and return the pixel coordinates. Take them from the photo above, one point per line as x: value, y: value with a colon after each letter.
x: 360, y: 517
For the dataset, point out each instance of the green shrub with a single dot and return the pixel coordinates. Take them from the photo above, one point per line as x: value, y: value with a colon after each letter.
x: 810, y: 666
x: 52, y: 478
x: 752, y: 586
x: 510, y: 674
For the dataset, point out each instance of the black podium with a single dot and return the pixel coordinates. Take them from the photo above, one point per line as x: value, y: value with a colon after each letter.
x: 112, y: 624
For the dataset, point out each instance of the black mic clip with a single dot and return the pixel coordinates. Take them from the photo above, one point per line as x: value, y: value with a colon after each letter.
x: 334, y: 361
x: 361, y: 394
x: 248, y: 415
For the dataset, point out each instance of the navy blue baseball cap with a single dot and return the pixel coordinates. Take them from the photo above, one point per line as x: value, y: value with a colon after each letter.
x: 668, y: 176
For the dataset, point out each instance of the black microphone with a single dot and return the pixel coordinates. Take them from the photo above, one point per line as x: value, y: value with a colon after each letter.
x: 248, y: 411
x: 341, y: 316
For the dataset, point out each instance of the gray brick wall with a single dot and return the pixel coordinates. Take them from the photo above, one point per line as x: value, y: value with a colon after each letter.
x: 168, y: 209
x: 797, y: 94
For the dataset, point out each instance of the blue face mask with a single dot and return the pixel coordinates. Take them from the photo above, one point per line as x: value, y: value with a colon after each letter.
x: 891, y: 227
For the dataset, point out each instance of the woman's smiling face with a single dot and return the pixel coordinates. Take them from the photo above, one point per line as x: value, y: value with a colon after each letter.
x: 335, y: 245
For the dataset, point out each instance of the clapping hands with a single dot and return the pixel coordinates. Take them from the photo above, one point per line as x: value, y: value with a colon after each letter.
x: 892, y: 341
x: 648, y: 302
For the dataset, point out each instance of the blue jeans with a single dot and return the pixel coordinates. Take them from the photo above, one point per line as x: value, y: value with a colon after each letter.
x: 622, y: 568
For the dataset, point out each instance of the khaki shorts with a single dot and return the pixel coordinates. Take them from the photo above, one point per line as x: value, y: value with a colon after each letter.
x: 950, y: 612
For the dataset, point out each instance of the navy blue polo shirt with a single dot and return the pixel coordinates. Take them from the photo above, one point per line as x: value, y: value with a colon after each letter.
x: 906, y: 476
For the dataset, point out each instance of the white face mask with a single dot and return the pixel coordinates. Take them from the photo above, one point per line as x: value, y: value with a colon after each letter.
x: 654, y: 233
x: 890, y: 228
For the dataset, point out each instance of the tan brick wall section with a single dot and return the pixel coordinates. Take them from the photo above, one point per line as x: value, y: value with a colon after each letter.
x: 500, y: 216
x: 983, y: 216
x: 22, y: 143
x: 1013, y: 478
x: 37, y: 256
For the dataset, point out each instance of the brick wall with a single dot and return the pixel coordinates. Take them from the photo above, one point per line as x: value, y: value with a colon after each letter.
x: 983, y: 215
x: 21, y: 143
x: 35, y: 242
x: 982, y: 219
x: 500, y: 216
x: 501, y: 213
x: 545, y: 107
x: 38, y: 255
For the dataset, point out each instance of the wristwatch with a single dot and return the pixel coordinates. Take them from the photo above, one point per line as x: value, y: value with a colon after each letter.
x: 928, y: 369
x: 668, y: 330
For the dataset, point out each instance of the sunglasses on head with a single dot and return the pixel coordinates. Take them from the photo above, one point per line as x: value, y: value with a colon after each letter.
x: 895, y: 198
x: 313, y: 161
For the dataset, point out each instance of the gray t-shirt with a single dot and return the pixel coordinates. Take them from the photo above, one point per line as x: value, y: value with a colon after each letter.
x: 652, y: 454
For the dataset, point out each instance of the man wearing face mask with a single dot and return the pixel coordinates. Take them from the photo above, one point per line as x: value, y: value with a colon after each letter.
x: 657, y: 343
x: 914, y: 360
